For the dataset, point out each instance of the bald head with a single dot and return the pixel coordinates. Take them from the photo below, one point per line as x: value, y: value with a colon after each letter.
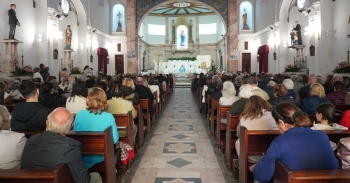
x: 59, y: 121
x: 312, y: 79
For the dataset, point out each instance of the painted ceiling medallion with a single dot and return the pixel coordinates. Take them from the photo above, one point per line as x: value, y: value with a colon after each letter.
x: 182, y: 5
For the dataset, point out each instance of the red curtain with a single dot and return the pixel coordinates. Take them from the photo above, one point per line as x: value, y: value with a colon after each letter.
x: 263, y: 52
x: 102, y: 54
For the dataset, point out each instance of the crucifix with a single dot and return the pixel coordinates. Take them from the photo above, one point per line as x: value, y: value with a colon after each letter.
x: 158, y: 55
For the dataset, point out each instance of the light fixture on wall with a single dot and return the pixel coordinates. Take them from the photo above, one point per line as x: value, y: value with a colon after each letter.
x: 40, y: 38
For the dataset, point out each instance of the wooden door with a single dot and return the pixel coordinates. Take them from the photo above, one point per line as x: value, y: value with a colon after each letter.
x: 246, y: 62
x: 119, y: 64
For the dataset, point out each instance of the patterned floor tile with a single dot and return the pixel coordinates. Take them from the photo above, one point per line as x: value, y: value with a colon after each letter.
x: 179, y: 162
x: 180, y: 127
x: 179, y: 148
x: 180, y: 136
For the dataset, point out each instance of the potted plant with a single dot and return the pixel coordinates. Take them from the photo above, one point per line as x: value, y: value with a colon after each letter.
x: 24, y: 73
x: 76, y: 71
x: 292, y: 68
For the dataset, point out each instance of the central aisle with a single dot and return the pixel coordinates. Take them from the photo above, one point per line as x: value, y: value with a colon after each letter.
x: 180, y: 149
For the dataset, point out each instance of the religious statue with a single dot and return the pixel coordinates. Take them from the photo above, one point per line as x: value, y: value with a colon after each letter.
x: 182, y: 69
x: 119, y: 28
x: 55, y: 53
x: 292, y: 35
x: 298, y: 29
x: 244, y: 19
x: 182, y: 36
x: 212, y: 65
x: 312, y: 50
x: 68, y: 38
x: 13, y: 21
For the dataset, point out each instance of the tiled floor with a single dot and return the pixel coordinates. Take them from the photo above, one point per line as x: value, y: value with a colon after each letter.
x: 180, y: 149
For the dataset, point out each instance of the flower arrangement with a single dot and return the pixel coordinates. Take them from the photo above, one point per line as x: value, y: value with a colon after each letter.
x: 292, y: 68
x: 183, y: 59
x: 26, y: 70
x: 75, y: 70
x: 342, y: 67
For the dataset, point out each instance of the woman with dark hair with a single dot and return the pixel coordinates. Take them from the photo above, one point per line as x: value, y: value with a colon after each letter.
x: 77, y: 100
x: 280, y: 93
x: 299, y: 147
x: 328, y: 85
x: 95, y: 118
x: 47, y: 97
x: 325, y: 118
x: 13, y: 90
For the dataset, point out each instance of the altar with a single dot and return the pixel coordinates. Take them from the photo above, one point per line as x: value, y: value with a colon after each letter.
x: 182, y: 74
x: 184, y: 68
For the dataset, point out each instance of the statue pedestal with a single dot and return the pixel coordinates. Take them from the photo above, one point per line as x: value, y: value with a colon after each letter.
x: 300, y: 60
x: 67, y: 61
x: 11, y: 55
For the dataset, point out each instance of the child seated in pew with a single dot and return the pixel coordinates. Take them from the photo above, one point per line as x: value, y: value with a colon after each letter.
x: 256, y: 116
x: 325, y: 118
x: 299, y: 147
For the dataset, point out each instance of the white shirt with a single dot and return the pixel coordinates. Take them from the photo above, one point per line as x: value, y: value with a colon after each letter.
x: 154, y: 88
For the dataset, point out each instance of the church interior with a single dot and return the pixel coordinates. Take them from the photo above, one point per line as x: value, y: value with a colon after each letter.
x: 190, y: 137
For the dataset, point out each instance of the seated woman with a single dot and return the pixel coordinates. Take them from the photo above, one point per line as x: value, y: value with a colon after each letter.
x: 118, y: 105
x: 256, y: 116
x: 317, y: 97
x: 228, y: 94
x: 77, y: 100
x: 245, y: 91
x: 338, y: 96
x: 47, y: 97
x: 325, y: 117
x: 95, y: 118
x: 13, y: 90
x: 12, y: 143
x: 299, y: 147
x: 214, y: 89
x: 129, y: 92
x: 280, y: 93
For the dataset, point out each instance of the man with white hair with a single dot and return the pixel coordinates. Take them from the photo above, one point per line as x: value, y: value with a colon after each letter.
x: 245, y: 92
x: 48, y: 150
x: 288, y: 83
x: 305, y: 91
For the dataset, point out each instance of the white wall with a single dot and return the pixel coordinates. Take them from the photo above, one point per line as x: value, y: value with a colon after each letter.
x: 265, y: 13
x: 99, y: 15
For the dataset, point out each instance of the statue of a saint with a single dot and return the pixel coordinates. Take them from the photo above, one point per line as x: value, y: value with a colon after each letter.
x: 68, y: 37
x: 120, y: 26
x: 13, y: 21
x: 244, y: 19
x: 292, y: 35
x: 212, y: 65
x: 182, y: 36
x: 298, y: 29
x: 182, y: 69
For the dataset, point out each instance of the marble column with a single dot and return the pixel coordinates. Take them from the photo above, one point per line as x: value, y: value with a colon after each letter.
x: 10, y: 55
x: 197, y: 30
x: 166, y: 30
x: 131, y: 33
x: 232, y: 34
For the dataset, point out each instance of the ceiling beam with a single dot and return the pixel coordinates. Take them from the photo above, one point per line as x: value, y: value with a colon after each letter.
x: 177, y: 11
x: 195, y: 10
x: 167, y: 11
x: 186, y: 11
x: 162, y: 8
x: 202, y: 8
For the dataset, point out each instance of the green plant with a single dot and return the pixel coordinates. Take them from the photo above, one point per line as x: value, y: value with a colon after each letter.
x: 183, y: 59
x: 342, y: 67
x: 292, y: 68
x: 24, y: 71
x: 75, y: 70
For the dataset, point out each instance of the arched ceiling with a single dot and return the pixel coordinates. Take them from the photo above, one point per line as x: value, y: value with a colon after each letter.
x: 182, y: 9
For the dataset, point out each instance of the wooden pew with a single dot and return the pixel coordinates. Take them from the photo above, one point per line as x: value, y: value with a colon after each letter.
x: 256, y: 142
x: 214, y: 107
x: 98, y: 143
x: 199, y: 96
x: 342, y: 108
x: 146, y: 115
x: 124, y: 123
x: 209, y: 108
x: 221, y: 114
x: 284, y: 175
x: 155, y: 104
x: 231, y: 126
x: 60, y: 174
x: 140, y: 125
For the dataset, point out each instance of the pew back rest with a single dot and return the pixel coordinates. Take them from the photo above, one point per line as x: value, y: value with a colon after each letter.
x: 60, y: 174
x: 283, y: 174
x: 144, y: 104
x: 125, y: 122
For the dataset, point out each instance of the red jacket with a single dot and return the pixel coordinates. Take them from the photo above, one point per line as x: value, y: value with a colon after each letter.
x: 337, y: 97
x: 345, y: 120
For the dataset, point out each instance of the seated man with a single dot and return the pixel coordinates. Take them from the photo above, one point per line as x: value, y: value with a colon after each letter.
x: 29, y: 115
x: 47, y: 150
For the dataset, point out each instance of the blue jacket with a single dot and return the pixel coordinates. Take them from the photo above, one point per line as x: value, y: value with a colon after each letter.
x: 300, y: 149
x: 310, y: 104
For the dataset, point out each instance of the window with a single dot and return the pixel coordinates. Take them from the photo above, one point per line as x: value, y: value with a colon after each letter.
x: 156, y: 29
x: 207, y: 28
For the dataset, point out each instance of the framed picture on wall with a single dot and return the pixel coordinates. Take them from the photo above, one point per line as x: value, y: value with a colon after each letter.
x: 233, y: 56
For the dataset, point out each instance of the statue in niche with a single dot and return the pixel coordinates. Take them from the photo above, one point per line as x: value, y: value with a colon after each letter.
x: 55, y: 53
x: 182, y: 36
x: 298, y: 29
x: 182, y: 69
x: 244, y: 19
x: 312, y: 50
x: 120, y: 25
x: 13, y: 21
x: 68, y: 38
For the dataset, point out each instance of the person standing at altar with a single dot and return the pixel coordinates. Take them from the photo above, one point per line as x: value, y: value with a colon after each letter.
x: 298, y: 29
x: 13, y: 21
x: 166, y: 70
x: 191, y: 69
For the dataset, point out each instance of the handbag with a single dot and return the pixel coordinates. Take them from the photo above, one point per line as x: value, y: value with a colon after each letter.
x: 204, y: 108
x: 343, y: 153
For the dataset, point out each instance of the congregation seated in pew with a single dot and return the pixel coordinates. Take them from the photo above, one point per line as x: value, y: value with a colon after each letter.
x: 48, y: 150
x: 245, y: 92
x: 12, y: 143
x: 95, y: 118
x: 299, y: 147
x: 77, y: 99
x: 29, y: 115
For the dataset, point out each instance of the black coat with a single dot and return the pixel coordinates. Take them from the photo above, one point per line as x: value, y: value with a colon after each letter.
x: 47, y: 150
x: 146, y: 93
x: 29, y: 116
x: 298, y: 29
x: 214, y: 91
x: 49, y: 100
x: 304, y: 92
x: 131, y: 95
x: 12, y: 17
